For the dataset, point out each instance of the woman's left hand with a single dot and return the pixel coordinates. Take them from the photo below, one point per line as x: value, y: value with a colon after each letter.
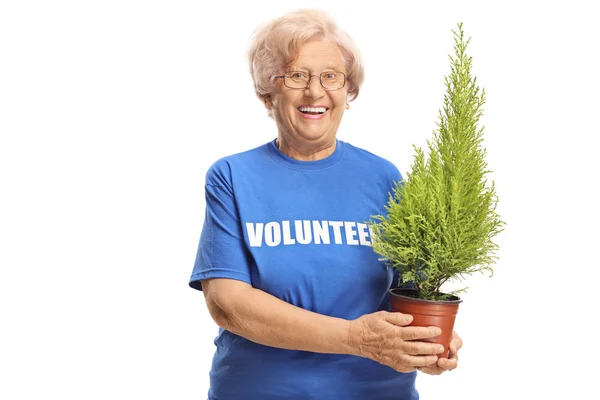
x: 446, y: 364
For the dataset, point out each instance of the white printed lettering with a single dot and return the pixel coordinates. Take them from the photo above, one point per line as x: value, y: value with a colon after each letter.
x: 255, y: 235
x: 337, y: 232
x: 363, y: 236
x: 294, y: 232
x: 321, y: 232
x: 272, y: 234
x: 304, y: 236
x: 350, y: 233
x: 287, y: 235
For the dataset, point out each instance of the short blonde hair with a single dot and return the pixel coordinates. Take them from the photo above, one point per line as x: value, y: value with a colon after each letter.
x: 275, y: 44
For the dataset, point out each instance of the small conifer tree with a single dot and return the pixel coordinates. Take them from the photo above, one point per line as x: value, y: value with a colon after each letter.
x: 441, y: 219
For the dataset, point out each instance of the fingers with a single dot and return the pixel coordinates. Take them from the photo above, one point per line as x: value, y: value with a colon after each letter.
x: 387, y: 337
x: 422, y: 348
x: 456, y: 343
x: 409, y: 363
x: 431, y: 370
x: 418, y: 361
x: 448, y: 364
x: 397, y: 318
x: 420, y: 332
x: 445, y: 364
x: 410, y: 332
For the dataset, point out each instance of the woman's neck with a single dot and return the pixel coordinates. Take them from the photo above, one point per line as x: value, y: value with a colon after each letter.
x: 306, y: 152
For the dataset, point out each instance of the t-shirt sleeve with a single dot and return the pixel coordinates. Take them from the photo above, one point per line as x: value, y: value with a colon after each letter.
x: 222, y: 252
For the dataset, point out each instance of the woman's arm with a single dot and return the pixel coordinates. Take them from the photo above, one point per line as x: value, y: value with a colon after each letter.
x: 262, y: 318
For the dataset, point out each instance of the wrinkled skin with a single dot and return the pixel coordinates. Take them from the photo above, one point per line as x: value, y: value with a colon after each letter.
x: 446, y: 364
x: 386, y: 338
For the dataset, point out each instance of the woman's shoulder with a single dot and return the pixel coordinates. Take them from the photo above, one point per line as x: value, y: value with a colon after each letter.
x: 242, y: 156
x: 371, y: 160
x: 220, y: 170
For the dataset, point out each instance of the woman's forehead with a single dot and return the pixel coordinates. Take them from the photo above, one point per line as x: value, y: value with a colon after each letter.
x: 311, y: 66
x: 319, y: 55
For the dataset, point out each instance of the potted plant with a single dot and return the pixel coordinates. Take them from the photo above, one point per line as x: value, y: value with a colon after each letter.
x: 441, y: 220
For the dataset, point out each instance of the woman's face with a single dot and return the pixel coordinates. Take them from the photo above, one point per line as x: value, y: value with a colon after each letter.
x: 300, y: 129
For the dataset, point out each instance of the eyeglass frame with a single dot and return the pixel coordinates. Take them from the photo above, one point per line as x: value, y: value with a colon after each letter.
x: 310, y: 77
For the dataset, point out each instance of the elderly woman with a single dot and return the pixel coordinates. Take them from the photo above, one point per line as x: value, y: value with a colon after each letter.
x: 284, y: 259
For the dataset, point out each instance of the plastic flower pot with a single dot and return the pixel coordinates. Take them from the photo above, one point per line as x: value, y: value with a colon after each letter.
x: 440, y: 313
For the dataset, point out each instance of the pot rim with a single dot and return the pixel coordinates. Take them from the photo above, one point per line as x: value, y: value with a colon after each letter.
x: 394, y: 292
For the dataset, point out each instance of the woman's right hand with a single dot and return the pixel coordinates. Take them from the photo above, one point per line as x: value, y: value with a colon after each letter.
x: 386, y: 338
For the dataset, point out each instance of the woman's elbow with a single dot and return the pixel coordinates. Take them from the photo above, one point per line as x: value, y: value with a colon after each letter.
x: 220, y: 301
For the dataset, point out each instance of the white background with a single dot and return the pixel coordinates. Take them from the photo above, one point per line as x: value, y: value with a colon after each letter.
x: 112, y: 111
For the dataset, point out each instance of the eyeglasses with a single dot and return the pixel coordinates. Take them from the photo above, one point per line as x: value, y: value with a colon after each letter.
x: 330, y: 80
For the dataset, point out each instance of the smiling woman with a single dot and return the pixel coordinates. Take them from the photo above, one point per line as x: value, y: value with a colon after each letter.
x: 297, y: 110
x: 286, y: 55
x: 284, y: 238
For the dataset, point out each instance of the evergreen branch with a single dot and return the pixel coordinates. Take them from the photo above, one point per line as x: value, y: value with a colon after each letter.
x: 441, y: 220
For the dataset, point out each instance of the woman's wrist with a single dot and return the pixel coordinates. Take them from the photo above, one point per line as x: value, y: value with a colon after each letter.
x: 352, y: 337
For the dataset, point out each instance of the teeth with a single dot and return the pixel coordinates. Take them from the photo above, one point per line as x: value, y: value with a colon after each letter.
x: 313, y: 109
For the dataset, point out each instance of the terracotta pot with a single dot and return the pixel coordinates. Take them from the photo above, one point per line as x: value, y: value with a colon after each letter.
x: 440, y: 313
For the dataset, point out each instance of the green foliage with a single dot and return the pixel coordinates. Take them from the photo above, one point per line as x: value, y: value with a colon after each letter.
x: 442, y: 218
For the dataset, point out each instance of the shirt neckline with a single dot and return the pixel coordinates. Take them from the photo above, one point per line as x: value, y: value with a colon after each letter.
x: 317, y: 165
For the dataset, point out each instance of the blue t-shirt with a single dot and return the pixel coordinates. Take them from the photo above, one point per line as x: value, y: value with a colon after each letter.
x: 297, y: 230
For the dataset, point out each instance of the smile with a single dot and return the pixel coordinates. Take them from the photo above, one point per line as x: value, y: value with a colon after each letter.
x: 312, y: 112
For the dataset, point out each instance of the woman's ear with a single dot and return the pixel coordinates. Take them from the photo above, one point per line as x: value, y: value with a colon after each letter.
x: 347, y: 106
x: 268, y: 102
